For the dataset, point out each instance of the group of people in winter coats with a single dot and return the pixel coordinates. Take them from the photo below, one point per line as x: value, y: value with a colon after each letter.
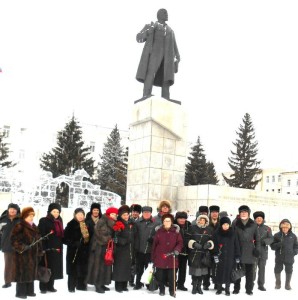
x: 212, y: 246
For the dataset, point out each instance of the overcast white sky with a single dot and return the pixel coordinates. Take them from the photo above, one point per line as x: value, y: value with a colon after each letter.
x: 63, y: 56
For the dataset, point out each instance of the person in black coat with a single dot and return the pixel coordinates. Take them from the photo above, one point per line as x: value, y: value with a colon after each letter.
x: 181, y: 221
x: 285, y: 246
x: 52, y: 246
x: 8, y: 220
x: 124, y: 249
x: 226, y: 254
x: 249, y: 241
x: 266, y: 238
x: 76, y: 237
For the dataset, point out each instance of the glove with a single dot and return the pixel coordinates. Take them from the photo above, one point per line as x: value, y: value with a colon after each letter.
x: 237, y: 261
x: 256, y: 253
x: 216, y: 260
x: 207, y: 245
x: 150, y: 240
x: 176, y: 252
x: 197, y: 246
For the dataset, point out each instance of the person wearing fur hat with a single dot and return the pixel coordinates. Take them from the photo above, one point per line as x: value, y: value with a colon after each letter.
x: 26, y: 255
x: 99, y: 274
x: 93, y: 216
x: 53, y: 246
x: 249, y: 240
x: 226, y: 254
x: 163, y: 208
x: 200, y: 243
x: 167, y: 244
x: 266, y: 239
x: 285, y: 245
x: 203, y: 210
x: 124, y: 249
x: 7, y: 221
x: 145, y: 230
x: 135, y: 210
x: 181, y: 221
x: 77, y: 237
x: 213, y: 225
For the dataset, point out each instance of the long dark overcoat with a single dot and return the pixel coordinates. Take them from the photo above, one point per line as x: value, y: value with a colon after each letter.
x: 170, y: 51
x: 98, y: 273
x: 23, y: 234
x: 77, y: 250
x: 226, y: 247
x: 51, y: 245
x: 124, y: 252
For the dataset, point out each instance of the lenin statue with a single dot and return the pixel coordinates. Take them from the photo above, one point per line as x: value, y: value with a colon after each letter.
x: 160, y: 57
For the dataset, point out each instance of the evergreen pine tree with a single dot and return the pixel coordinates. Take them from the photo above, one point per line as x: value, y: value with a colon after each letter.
x: 112, y: 174
x: 243, y: 163
x: 69, y: 155
x: 4, y: 154
x: 198, y: 170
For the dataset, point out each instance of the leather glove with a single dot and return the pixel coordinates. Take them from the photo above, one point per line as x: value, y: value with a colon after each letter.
x: 216, y: 260
x: 207, y: 245
x: 150, y: 240
x: 176, y: 252
x: 197, y: 246
x: 256, y: 253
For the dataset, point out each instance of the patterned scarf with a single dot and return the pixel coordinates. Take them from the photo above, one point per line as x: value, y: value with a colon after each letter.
x: 84, y: 231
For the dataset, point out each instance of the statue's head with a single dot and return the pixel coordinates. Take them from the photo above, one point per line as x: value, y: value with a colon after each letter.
x: 162, y: 15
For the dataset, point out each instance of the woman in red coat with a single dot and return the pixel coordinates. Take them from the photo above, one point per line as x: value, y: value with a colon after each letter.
x: 167, y: 245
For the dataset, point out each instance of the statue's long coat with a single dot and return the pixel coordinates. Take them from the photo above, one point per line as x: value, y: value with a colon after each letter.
x: 166, y: 72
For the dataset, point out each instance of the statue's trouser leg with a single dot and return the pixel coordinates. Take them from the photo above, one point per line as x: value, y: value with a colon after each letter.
x: 165, y: 91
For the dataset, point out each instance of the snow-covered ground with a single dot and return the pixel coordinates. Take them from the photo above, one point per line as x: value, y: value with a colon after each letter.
x: 61, y: 286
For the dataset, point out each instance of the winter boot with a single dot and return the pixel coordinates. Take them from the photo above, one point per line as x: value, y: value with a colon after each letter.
x: 277, y: 281
x: 219, y: 289
x: 194, y: 284
x: 124, y: 286
x: 288, y: 281
x: 118, y: 286
x: 199, y: 289
x: 227, y: 290
x: 162, y: 290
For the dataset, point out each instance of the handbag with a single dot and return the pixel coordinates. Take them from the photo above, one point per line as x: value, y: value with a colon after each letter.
x: 43, y: 272
x: 109, y: 255
x: 206, y: 259
x: 237, y: 273
x: 153, y: 285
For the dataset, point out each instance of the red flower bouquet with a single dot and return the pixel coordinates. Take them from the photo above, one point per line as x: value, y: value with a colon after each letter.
x: 118, y: 226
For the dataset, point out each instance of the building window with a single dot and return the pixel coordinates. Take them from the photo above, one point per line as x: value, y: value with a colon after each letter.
x: 288, y: 193
x: 92, y: 146
x: 23, y: 130
x: 273, y: 178
x: 267, y: 179
x: 272, y: 190
x: 297, y: 182
x: 278, y: 190
x: 267, y: 190
x: 6, y: 131
x: 289, y: 182
x: 279, y: 178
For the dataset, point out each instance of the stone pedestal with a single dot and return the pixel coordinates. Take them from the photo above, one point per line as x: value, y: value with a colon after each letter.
x: 157, y: 152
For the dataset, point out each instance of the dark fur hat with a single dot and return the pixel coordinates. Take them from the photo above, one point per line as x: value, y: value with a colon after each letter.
x: 181, y: 215
x: 259, y: 214
x: 203, y: 209
x: 26, y: 211
x: 54, y: 206
x: 136, y: 207
x: 167, y: 216
x: 147, y: 208
x: 96, y: 205
x: 224, y: 220
x: 14, y: 206
x: 244, y: 208
x: 214, y: 208
x: 123, y: 209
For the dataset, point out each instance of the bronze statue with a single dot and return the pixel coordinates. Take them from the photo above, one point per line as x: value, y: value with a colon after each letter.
x: 160, y: 57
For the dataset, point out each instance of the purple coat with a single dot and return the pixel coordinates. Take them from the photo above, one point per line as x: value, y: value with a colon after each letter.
x: 166, y: 241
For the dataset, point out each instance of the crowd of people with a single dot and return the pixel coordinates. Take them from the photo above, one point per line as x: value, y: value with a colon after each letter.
x: 213, y: 247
